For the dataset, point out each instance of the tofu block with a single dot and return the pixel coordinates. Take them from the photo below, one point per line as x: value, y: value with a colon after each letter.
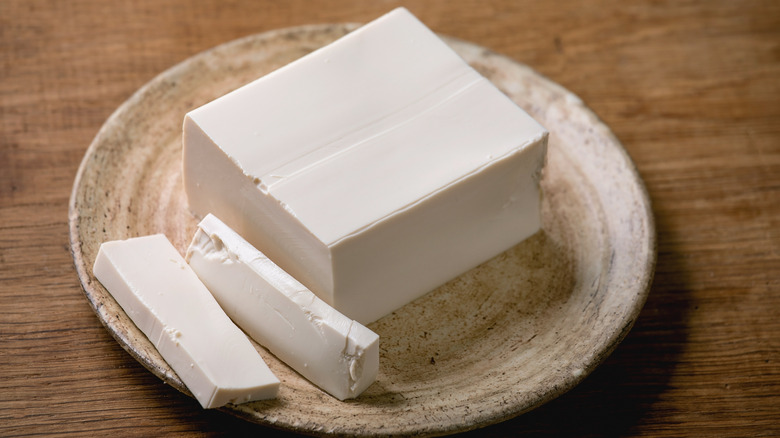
x: 339, y: 355
x: 372, y: 170
x: 165, y: 299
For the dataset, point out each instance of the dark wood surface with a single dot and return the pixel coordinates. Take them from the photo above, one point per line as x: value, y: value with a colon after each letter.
x: 691, y: 88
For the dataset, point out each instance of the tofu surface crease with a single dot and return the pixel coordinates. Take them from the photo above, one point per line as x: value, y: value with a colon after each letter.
x: 337, y: 354
x: 373, y: 169
x: 162, y: 295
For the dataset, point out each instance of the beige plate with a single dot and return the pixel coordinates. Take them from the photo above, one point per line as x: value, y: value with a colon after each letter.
x: 498, y: 341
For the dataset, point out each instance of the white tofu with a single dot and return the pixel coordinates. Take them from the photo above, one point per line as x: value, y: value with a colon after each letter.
x: 373, y: 169
x: 339, y: 355
x: 165, y: 299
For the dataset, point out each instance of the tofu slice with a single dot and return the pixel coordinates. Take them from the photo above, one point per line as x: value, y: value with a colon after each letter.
x: 339, y: 355
x: 162, y: 295
x: 372, y: 170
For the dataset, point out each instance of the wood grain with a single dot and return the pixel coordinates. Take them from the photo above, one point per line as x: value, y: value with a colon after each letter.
x: 691, y: 89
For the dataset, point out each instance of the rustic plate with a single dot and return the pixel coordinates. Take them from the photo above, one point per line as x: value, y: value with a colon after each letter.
x: 498, y: 341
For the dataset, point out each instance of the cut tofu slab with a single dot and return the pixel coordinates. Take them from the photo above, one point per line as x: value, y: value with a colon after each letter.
x: 337, y: 354
x: 162, y: 295
x: 372, y: 170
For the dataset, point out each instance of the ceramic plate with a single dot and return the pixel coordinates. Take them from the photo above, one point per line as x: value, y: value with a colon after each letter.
x: 489, y: 345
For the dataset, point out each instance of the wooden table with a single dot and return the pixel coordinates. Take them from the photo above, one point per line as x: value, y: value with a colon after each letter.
x: 691, y: 88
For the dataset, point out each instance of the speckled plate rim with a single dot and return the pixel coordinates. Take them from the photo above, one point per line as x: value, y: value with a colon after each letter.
x: 635, y: 297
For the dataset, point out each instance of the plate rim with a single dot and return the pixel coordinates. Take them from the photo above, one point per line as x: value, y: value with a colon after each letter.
x: 630, y: 318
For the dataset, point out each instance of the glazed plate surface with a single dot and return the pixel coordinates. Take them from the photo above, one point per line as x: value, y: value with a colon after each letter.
x: 495, y: 342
